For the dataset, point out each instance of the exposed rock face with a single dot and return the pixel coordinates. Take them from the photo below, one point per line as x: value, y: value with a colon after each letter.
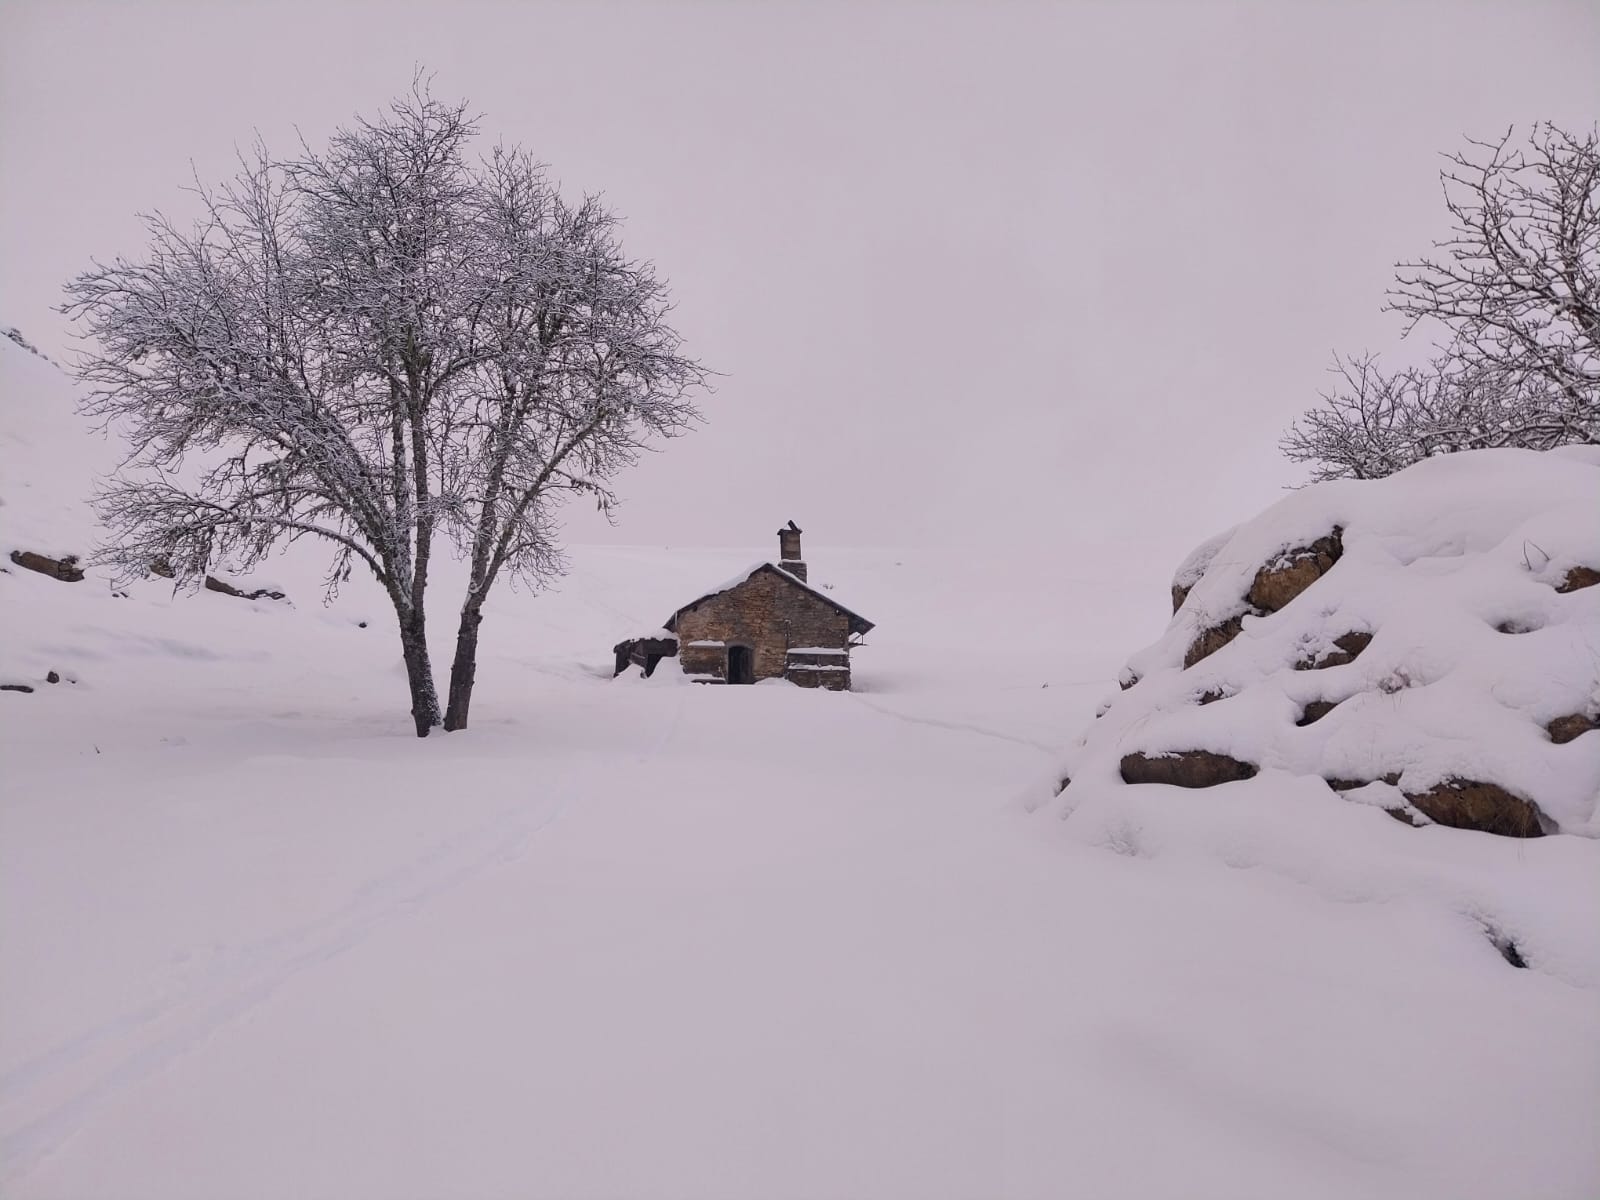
x: 213, y: 584
x: 1349, y: 647
x: 1211, y: 640
x: 1579, y: 577
x: 1185, y: 768
x: 1406, y: 815
x: 1571, y: 727
x: 65, y: 569
x: 1469, y: 804
x: 1277, y: 583
x: 1315, y: 711
x: 1346, y: 785
x: 1274, y: 586
x: 1194, y: 567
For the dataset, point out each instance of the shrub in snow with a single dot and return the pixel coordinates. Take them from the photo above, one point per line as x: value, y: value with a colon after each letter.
x: 1428, y: 642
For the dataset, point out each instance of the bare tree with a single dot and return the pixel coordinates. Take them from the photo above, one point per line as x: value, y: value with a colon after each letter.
x: 1516, y: 291
x: 377, y: 345
x: 580, y: 366
x: 1518, y: 281
x: 1372, y: 423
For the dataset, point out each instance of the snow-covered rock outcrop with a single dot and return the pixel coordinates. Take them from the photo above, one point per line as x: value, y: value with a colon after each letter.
x: 1427, y: 643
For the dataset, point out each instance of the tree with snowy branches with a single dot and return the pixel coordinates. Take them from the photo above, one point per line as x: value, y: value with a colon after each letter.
x: 382, y: 345
x: 1516, y: 289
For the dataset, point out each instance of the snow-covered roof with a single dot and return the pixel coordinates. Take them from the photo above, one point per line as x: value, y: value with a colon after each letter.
x: 858, y: 623
x: 632, y: 640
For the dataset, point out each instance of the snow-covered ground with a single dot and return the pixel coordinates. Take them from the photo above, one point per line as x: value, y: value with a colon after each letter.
x: 632, y: 938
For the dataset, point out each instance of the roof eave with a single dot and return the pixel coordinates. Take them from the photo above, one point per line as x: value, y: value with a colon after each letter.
x: 858, y: 623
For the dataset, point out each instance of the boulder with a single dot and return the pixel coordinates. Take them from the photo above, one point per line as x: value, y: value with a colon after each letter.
x: 1579, y: 577
x: 213, y: 584
x: 1185, y: 768
x: 65, y: 569
x: 1472, y: 804
x: 1279, y: 582
x: 1571, y: 727
x: 1194, y: 567
x: 1315, y: 711
x: 1348, y: 647
x: 1209, y: 641
x: 1347, y: 785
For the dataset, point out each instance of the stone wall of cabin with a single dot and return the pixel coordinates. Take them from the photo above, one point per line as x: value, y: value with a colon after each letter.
x: 764, y: 613
x: 815, y: 668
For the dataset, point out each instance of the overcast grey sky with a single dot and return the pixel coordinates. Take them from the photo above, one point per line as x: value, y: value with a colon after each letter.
x: 993, y: 272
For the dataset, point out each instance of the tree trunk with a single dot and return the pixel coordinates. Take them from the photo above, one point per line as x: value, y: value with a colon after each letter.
x: 419, y: 674
x: 464, y: 670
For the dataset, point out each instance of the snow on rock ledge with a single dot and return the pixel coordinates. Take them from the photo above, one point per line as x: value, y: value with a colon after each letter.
x: 1428, y: 643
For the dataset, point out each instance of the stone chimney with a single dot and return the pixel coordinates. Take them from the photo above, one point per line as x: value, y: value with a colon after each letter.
x: 789, y: 551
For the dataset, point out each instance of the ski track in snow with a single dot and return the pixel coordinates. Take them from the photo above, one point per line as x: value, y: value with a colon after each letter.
x: 956, y: 726
x: 143, y: 1042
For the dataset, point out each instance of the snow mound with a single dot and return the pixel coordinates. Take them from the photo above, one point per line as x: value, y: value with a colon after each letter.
x: 1427, y: 643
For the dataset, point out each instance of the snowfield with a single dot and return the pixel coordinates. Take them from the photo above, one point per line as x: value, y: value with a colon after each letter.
x: 642, y: 938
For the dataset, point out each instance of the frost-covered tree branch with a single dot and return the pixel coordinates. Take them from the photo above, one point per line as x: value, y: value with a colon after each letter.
x: 376, y: 345
x: 1517, y: 283
x: 1515, y: 290
x: 584, y: 369
x: 1371, y: 424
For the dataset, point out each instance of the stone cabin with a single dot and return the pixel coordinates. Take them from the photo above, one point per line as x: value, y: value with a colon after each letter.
x: 765, y: 623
